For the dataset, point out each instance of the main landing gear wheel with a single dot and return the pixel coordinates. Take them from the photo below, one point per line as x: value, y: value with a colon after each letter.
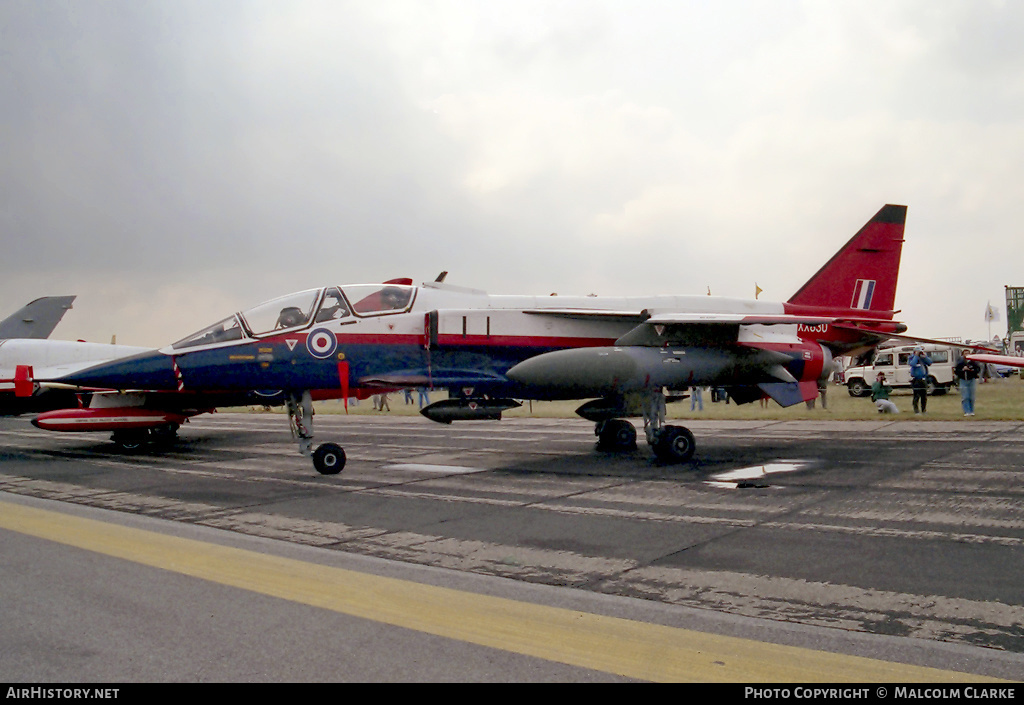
x: 675, y: 444
x: 131, y: 440
x: 163, y: 436
x: 616, y: 435
x: 329, y: 458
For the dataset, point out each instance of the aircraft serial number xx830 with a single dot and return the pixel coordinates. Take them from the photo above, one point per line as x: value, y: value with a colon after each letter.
x: 627, y: 355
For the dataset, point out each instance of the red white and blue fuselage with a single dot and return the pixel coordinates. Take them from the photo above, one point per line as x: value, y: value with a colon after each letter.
x: 440, y: 336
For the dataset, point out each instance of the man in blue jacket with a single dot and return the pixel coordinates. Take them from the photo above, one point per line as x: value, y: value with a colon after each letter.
x: 919, y: 363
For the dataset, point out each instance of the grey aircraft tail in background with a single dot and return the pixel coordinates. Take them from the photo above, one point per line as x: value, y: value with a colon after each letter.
x: 36, y: 319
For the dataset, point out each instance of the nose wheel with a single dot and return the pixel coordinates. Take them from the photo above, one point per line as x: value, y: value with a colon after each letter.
x: 328, y: 458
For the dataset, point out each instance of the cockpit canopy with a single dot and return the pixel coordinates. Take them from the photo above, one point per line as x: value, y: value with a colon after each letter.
x: 297, y: 311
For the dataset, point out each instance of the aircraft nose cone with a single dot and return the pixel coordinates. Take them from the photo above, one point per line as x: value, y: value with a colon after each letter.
x: 149, y: 370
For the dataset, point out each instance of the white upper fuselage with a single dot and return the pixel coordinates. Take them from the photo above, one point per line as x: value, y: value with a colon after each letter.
x: 467, y: 314
x: 55, y: 358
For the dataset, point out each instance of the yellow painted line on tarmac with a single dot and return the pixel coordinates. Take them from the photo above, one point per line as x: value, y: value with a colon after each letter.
x: 613, y: 645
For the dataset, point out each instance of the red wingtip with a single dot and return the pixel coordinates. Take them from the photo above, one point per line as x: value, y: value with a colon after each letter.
x: 23, y: 383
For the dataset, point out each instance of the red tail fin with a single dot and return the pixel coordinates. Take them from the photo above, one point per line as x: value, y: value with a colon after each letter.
x: 862, y: 275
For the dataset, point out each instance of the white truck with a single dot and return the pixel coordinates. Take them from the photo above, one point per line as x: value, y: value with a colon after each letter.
x: 894, y: 363
x: 1015, y: 343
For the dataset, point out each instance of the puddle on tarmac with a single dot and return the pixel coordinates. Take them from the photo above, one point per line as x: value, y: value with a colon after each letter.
x: 754, y: 475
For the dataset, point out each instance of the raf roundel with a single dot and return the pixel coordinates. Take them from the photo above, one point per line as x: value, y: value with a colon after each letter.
x: 321, y: 343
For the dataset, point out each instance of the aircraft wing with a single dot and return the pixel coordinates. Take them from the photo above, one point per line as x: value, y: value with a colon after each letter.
x: 707, y: 329
x: 1008, y: 360
x: 683, y: 318
x: 738, y: 319
x: 585, y: 314
x: 936, y: 341
x: 36, y: 319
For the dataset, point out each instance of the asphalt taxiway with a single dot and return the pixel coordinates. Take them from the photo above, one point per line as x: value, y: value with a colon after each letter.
x: 895, y: 542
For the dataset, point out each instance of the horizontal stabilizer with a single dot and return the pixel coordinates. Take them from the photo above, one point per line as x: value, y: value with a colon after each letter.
x: 790, y: 394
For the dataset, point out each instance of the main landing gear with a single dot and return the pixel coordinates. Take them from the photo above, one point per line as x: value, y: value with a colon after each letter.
x: 671, y: 444
x: 135, y: 439
x: 328, y: 458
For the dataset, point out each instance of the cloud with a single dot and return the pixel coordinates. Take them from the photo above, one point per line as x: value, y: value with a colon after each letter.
x: 225, y: 153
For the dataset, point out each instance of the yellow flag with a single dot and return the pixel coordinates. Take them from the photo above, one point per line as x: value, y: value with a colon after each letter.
x: 757, y: 290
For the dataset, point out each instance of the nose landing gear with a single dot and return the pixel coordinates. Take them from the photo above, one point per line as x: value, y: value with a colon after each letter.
x: 328, y: 458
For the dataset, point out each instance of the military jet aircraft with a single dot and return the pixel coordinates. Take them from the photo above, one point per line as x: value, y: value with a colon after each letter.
x: 627, y: 355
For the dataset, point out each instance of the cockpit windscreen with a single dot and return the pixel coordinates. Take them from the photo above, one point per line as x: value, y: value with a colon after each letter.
x: 370, y: 299
x: 292, y: 311
x: 220, y: 332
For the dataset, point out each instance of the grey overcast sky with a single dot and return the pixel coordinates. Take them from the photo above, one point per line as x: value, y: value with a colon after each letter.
x: 173, y: 161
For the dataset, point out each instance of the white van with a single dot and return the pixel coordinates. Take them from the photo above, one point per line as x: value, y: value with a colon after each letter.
x: 894, y: 362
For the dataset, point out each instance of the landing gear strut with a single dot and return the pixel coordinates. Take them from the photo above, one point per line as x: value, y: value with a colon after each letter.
x: 329, y: 458
x: 671, y: 444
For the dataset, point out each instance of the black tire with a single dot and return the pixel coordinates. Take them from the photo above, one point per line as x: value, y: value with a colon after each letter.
x: 329, y: 459
x: 933, y: 388
x: 675, y: 444
x: 164, y: 435
x: 617, y: 435
x: 130, y: 441
x: 858, y: 388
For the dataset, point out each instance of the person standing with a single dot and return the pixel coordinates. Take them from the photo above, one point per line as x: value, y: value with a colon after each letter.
x: 919, y: 364
x: 696, y: 399
x: 967, y: 373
